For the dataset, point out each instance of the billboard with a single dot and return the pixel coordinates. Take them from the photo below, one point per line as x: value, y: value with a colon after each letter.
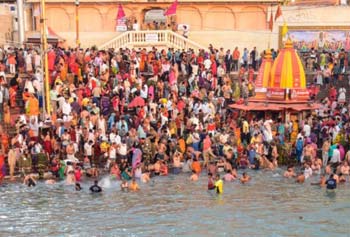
x: 319, y: 38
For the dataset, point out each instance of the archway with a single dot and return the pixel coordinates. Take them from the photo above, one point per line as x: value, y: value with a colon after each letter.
x: 253, y: 18
x: 153, y: 19
x: 90, y: 19
x: 189, y: 16
x: 54, y: 13
x: 219, y: 18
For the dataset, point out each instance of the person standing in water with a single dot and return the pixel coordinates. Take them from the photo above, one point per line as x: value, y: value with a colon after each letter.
x: 29, y: 180
x: 77, y: 187
x: 218, y: 184
x: 211, y: 185
x: 124, y: 186
x: 331, y: 183
x: 95, y: 188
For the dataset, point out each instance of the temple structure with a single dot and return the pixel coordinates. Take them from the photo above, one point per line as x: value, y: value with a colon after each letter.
x: 280, y: 85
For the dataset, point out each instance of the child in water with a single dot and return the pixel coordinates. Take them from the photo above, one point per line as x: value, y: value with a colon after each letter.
x: 218, y: 185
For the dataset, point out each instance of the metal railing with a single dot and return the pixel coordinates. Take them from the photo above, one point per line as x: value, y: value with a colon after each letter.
x: 149, y: 38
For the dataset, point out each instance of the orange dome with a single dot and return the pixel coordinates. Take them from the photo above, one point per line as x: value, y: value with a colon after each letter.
x: 287, y: 70
x: 263, y: 77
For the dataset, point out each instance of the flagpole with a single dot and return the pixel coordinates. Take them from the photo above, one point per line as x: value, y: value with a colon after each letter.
x: 46, y: 61
x: 77, y: 23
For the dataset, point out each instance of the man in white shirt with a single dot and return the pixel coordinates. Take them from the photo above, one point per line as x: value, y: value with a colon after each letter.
x: 144, y: 91
x: 335, y: 159
x: 307, y: 129
x: 123, y: 150
x: 88, y: 149
x: 307, y: 171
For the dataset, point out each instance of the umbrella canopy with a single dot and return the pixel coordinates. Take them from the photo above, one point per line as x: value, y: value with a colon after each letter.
x: 138, y: 101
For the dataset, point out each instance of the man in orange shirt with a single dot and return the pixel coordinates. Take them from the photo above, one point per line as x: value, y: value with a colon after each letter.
x: 235, y: 56
x: 33, y: 107
x: 207, y: 151
x: 196, y: 166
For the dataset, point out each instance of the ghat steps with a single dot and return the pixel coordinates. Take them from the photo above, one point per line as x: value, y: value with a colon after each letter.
x: 150, y: 38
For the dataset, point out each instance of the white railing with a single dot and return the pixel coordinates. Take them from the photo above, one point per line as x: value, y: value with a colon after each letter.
x: 149, y: 38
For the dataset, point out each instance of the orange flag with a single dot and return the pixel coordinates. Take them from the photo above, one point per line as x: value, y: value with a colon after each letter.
x: 271, y: 22
x: 278, y: 12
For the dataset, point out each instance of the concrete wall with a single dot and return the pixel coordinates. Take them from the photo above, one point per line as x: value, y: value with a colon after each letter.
x: 6, y: 24
x: 224, y: 24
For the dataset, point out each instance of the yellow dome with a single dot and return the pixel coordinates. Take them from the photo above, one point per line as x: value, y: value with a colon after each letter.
x: 263, y: 76
x: 287, y: 70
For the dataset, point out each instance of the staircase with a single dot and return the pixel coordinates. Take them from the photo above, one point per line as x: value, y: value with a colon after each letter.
x: 16, y: 111
x: 323, y: 92
x: 150, y: 38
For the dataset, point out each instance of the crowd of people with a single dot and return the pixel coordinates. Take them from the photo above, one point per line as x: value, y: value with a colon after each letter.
x: 137, y: 113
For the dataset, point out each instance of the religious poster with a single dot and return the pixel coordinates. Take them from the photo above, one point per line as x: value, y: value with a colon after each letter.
x: 121, y: 25
x: 330, y: 40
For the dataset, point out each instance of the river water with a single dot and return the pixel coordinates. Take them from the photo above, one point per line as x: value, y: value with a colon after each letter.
x: 173, y: 206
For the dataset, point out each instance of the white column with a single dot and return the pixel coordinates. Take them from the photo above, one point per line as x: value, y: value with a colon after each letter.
x: 20, y: 21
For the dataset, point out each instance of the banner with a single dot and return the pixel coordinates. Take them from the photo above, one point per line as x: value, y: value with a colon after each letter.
x: 151, y: 38
x: 323, y: 39
x: 276, y: 93
x: 299, y: 94
x: 121, y: 25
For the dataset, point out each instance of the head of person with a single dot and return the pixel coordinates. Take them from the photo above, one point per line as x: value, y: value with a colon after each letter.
x: 217, y: 177
x: 96, y: 182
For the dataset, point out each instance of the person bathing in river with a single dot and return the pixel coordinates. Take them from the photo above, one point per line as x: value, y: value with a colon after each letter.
x: 194, y: 176
x: 211, y: 185
x: 29, y: 180
x: 289, y: 173
x: 124, y: 186
x: 228, y: 177
x: 245, y: 178
x: 134, y: 186
x: 218, y: 185
x: 95, y: 188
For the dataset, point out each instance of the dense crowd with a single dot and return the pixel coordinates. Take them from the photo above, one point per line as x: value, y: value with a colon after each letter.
x: 136, y: 113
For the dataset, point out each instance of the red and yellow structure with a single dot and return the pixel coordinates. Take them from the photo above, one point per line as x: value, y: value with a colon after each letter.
x: 280, y: 84
x: 287, y: 77
x: 263, y: 79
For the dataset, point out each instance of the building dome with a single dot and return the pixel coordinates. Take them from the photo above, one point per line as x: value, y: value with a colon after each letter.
x: 263, y: 77
x: 287, y: 71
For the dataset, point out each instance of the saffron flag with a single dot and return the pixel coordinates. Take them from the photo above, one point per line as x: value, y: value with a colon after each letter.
x: 284, y: 30
x: 271, y: 22
x: 171, y: 10
x: 121, y: 13
x: 278, y: 12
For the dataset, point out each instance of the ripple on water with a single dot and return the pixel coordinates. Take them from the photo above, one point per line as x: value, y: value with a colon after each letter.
x: 172, y: 206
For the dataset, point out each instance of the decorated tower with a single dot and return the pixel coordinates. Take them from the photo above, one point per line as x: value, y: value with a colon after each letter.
x: 287, y: 77
x: 263, y: 77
